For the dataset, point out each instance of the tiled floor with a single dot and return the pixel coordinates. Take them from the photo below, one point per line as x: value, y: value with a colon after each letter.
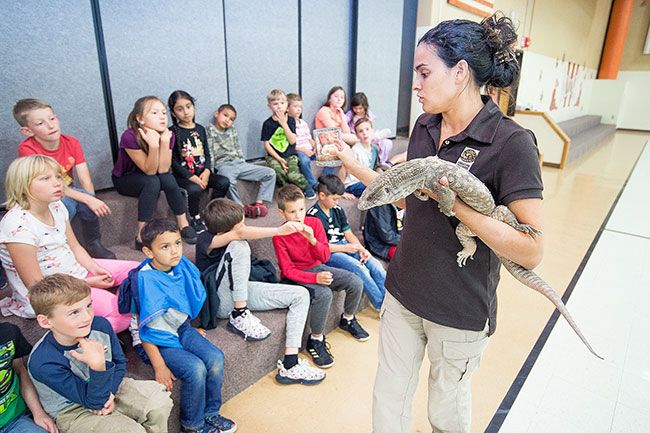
x: 568, y: 389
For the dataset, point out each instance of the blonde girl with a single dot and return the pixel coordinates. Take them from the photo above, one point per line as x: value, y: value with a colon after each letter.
x: 36, y: 240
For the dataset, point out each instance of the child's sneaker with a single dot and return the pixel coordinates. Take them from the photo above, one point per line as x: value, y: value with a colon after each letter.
x: 248, y: 326
x: 207, y: 428
x: 251, y: 211
x: 262, y: 210
x: 354, y: 328
x: 320, y: 352
x: 222, y: 424
x: 188, y: 235
x: 197, y: 225
x: 302, y: 373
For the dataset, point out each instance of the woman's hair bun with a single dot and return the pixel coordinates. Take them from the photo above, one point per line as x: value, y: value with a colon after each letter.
x: 501, y: 37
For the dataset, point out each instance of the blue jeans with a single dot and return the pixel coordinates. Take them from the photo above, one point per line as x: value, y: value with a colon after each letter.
x: 199, y: 366
x: 75, y: 207
x: 22, y: 424
x: 356, y: 189
x: 304, y: 162
x: 372, y: 273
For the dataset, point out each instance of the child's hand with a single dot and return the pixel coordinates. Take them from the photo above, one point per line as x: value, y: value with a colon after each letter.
x: 289, y: 227
x: 100, y: 281
x: 204, y: 177
x: 284, y: 165
x: 307, y: 231
x: 165, y: 377
x: 308, y: 152
x: 202, y: 332
x: 281, y: 116
x: 197, y: 180
x: 350, y: 248
x: 45, y: 422
x: 150, y: 136
x: 348, y: 196
x: 365, y: 255
x: 98, y: 207
x: 324, y: 277
x: 92, y: 354
x: 166, y: 136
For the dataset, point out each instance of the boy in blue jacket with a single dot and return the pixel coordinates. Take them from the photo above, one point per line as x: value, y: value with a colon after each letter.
x: 170, y: 295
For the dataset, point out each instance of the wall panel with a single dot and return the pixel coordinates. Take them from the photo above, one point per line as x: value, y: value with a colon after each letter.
x: 326, y: 51
x: 262, y: 46
x: 379, y: 45
x: 154, y: 48
x: 48, y: 52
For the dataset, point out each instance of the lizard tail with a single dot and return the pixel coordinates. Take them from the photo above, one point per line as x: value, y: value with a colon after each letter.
x: 534, y: 281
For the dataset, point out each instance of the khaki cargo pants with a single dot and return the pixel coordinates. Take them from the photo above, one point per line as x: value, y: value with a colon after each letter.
x: 454, y: 354
x: 140, y: 406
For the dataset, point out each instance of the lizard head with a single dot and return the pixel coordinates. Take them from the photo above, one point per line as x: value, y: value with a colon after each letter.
x: 394, y: 184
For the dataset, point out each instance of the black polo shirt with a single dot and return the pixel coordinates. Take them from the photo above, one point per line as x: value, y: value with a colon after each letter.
x: 423, y: 275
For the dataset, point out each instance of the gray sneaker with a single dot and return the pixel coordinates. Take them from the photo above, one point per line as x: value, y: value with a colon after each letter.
x: 302, y: 373
x: 248, y: 326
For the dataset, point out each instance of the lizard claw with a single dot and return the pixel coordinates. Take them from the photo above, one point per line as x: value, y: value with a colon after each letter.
x: 529, y: 230
x: 462, y: 258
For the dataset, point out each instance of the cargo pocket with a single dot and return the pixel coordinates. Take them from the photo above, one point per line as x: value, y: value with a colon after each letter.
x: 463, y: 357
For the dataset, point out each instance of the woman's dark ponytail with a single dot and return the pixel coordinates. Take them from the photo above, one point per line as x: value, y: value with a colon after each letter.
x: 501, y: 37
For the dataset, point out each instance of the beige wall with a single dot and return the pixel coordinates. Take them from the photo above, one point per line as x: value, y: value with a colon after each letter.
x: 572, y: 30
x: 633, y: 57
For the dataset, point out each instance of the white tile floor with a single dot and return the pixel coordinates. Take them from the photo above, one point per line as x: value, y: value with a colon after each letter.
x: 568, y: 389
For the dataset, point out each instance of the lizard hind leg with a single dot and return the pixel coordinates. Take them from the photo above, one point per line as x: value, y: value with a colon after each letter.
x: 503, y: 214
x: 466, y: 238
x: 446, y: 197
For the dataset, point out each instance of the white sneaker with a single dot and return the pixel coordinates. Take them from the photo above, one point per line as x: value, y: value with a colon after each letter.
x: 302, y: 373
x: 248, y: 326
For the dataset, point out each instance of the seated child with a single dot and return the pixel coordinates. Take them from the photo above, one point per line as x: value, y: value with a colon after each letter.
x: 17, y: 392
x: 191, y: 159
x: 365, y: 152
x: 40, y: 124
x: 302, y: 257
x: 78, y: 367
x: 347, y: 251
x: 382, y: 230
x: 225, y: 244
x: 305, y: 145
x: 143, y: 166
x: 331, y: 114
x: 279, y: 137
x: 359, y: 109
x: 36, y: 240
x: 170, y: 295
x: 228, y: 159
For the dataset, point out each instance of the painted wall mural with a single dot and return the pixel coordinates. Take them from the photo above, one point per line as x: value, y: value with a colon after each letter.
x: 552, y: 85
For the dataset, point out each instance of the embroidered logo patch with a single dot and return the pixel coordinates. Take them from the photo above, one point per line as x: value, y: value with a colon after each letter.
x: 467, y: 158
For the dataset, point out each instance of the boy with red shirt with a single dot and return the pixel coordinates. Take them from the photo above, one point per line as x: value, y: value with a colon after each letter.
x: 40, y: 124
x: 301, y: 257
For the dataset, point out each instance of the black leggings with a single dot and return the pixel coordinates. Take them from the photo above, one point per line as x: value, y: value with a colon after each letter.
x: 217, y: 182
x: 146, y: 188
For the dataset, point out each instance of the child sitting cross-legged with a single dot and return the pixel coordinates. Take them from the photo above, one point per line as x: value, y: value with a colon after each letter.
x: 302, y: 257
x: 347, y: 251
x: 170, y: 295
x: 78, y: 367
x: 223, y: 246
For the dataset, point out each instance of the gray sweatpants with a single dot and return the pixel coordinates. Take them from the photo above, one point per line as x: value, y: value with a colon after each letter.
x: 321, y: 295
x: 240, y: 169
x: 261, y: 296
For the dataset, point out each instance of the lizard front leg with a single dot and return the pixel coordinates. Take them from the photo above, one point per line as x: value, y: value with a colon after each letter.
x: 505, y: 215
x: 466, y: 238
x: 446, y: 197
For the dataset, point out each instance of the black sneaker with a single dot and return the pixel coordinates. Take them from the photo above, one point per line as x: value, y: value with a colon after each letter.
x: 198, y: 225
x: 354, y: 328
x: 320, y: 352
x: 189, y: 235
